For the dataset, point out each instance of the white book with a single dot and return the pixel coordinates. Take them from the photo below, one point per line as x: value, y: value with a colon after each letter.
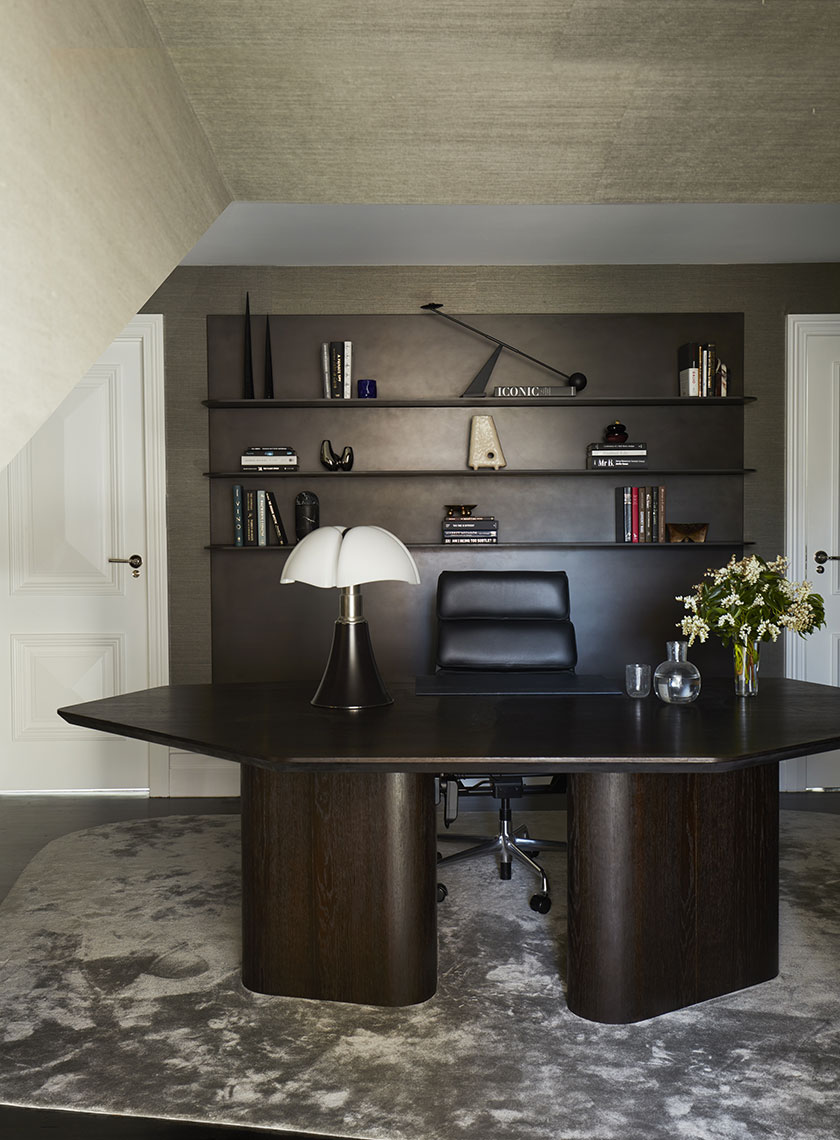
x: 690, y: 382
x: 269, y: 460
x: 262, y: 521
x: 325, y: 369
x: 348, y: 369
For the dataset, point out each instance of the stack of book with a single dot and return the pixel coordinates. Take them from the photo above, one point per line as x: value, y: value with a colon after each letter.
x: 640, y: 514
x: 337, y: 369
x: 256, y: 517
x: 616, y: 455
x: 269, y: 459
x: 472, y: 530
x: 701, y: 373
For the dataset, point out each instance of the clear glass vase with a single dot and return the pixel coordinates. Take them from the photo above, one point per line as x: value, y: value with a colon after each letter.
x: 677, y: 680
x: 746, y: 667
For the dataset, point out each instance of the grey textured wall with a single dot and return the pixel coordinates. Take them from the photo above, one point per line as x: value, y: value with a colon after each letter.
x: 532, y: 101
x: 765, y: 294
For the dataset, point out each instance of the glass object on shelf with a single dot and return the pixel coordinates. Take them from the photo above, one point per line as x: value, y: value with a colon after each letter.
x: 677, y: 680
x: 637, y: 680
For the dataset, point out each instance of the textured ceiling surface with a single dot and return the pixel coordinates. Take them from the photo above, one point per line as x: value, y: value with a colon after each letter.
x: 537, y: 101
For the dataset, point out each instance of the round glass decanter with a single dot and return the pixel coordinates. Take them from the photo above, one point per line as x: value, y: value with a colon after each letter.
x: 677, y: 681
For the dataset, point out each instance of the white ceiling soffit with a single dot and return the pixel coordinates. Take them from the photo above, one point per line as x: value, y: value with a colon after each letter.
x: 277, y: 233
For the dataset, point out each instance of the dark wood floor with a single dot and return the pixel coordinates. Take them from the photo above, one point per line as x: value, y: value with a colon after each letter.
x: 27, y: 823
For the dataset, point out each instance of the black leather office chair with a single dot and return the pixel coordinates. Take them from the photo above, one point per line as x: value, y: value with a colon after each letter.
x: 509, y: 622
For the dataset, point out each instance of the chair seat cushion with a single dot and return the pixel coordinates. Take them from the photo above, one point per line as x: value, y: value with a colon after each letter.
x: 478, y: 643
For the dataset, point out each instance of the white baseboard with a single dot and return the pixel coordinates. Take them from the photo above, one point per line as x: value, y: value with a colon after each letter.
x: 192, y: 774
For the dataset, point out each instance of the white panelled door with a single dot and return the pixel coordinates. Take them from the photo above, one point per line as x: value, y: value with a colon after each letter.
x: 78, y: 626
x: 813, y: 514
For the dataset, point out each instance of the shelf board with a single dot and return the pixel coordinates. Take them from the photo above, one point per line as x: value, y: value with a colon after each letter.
x: 490, y: 401
x: 507, y: 473
x: 514, y: 546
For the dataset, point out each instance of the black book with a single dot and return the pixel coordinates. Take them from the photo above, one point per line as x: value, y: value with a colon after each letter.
x: 249, y: 517
x: 467, y: 525
x: 276, y: 520
x: 623, y: 514
x: 337, y: 369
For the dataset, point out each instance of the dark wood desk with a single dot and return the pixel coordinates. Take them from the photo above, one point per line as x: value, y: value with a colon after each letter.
x: 673, y: 829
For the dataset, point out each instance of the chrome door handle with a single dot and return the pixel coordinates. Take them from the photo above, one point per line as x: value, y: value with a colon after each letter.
x: 135, y: 562
x: 821, y: 557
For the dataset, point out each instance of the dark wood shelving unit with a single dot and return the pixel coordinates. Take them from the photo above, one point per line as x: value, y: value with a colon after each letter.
x: 277, y: 549
x: 488, y: 401
x: 410, y: 448
x: 634, y: 474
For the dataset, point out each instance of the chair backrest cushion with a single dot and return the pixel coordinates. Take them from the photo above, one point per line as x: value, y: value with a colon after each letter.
x: 504, y: 620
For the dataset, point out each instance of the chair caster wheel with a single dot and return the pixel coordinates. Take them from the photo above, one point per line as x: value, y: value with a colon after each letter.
x: 442, y: 892
x: 540, y: 903
x: 504, y: 870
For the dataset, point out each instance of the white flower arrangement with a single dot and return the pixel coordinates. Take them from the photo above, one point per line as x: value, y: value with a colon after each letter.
x: 750, y: 600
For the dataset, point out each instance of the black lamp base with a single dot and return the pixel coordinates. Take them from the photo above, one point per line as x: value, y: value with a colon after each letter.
x: 351, y: 679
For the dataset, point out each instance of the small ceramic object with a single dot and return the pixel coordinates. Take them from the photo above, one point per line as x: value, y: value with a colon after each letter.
x: 485, y: 448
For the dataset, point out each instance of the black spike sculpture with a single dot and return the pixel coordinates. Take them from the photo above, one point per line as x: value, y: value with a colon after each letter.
x: 248, y: 389
x: 269, y: 370
x: 476, y: 387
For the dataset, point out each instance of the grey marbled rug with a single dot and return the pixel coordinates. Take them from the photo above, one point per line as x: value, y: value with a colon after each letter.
x: 120, y: 992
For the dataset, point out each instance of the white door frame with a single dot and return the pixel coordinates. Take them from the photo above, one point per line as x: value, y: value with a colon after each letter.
x: 799, y: 328
x: 146, y: 329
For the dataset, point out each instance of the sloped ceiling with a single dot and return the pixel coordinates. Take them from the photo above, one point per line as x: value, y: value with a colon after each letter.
x: 536, y: 101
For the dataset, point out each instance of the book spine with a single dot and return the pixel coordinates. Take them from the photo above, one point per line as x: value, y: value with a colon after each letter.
x: 250, y: 517
x: 276, y: 520
x: 337, y: 369
x: 238, y: 528
x: 347, y: 370
x: 654, y: 515
x: 273, y: 449
x: 483, y: 534
x: 661, y: 535
x: 594, y: 464
x: 690, y: 382
x: 326, y: 385
x: 634, y: 514
x: 527, y: 391
x: 468, y: 524
x: 615, y: 448
x: 462, y: 541
x: 268, y: 460
x: 688, y: 364
x: 275, y: 469
x: 623, y: 529
x: 262, y: 528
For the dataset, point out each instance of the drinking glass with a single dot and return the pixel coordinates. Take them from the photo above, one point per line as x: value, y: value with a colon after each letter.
x: 637, y: 680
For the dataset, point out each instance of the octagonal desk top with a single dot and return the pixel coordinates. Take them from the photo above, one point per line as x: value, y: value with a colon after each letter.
x: 273, y: 726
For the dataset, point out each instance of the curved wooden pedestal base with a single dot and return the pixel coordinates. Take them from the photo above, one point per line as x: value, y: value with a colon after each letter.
x: 673, y: 889
x: 338, y: 885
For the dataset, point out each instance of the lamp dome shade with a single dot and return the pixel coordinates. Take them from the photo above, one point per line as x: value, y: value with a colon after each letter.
x: 334, y: 556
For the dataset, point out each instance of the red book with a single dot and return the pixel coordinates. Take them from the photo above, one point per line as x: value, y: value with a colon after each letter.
x: 634, y: 514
